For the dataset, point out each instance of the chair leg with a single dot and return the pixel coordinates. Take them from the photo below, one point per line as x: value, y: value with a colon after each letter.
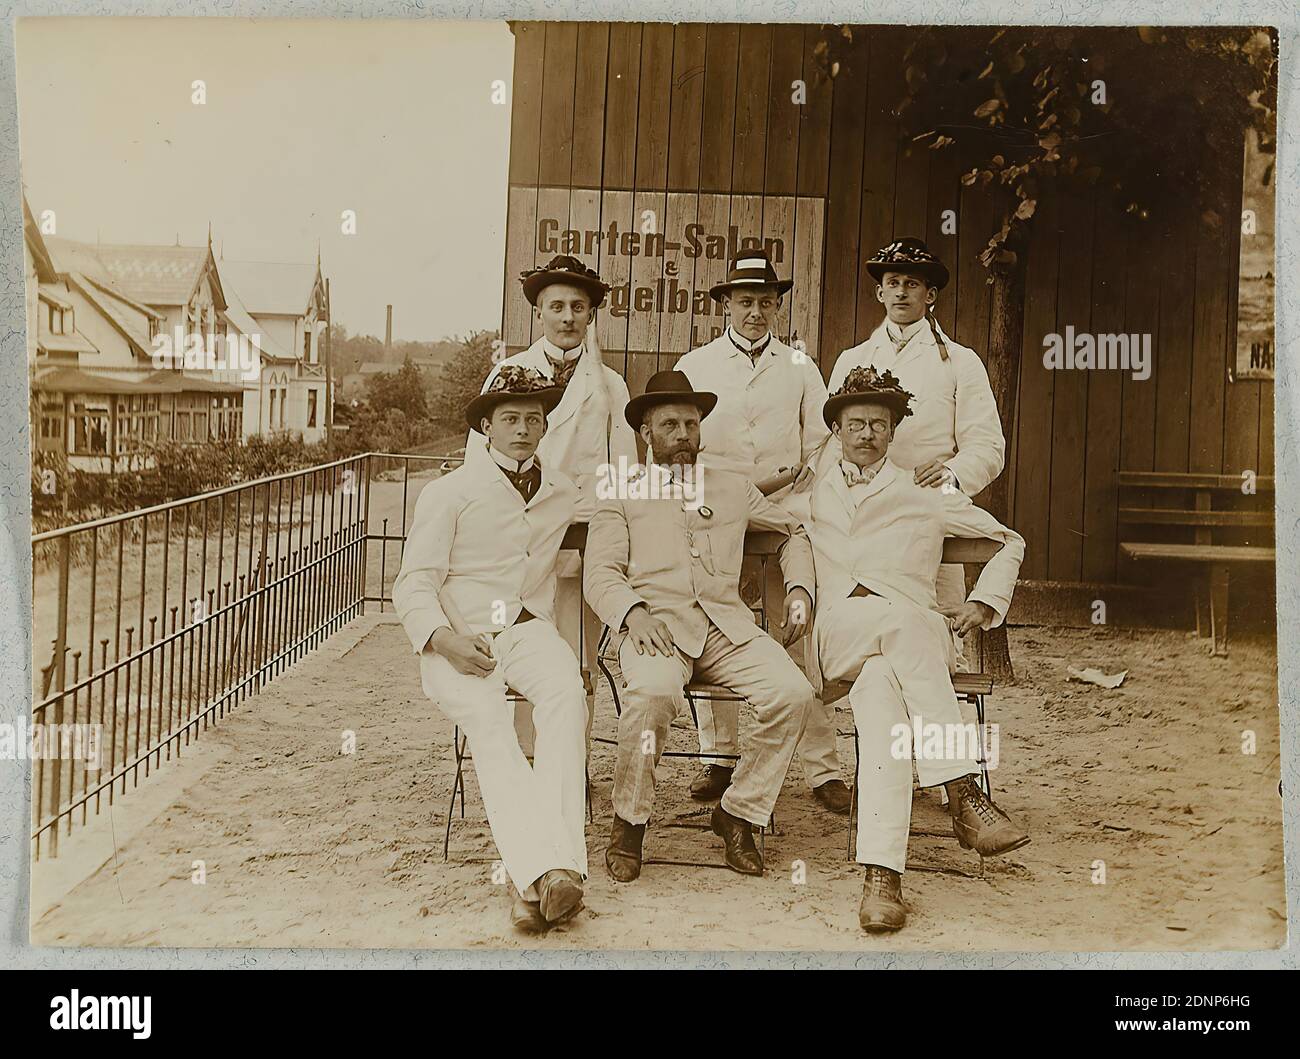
x: 457, y: 785
x: 853, y: 794
x: 984, y: 756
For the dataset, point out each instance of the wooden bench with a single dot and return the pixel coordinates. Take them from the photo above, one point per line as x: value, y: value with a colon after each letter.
x: 1190, y: 504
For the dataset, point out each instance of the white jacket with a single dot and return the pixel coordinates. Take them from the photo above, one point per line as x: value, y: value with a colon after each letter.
x: 954, y: 416
x: 891, y: 543
x: 475, y: 546
x: 767, y: 417
x: 586, y: 429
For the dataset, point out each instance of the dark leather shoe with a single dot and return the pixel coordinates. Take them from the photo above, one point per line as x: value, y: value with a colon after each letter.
x: 738, y: 839
x: 978, y: 823
x: 712, y: 783
x: 882, y: 901
x: 559, y: 894
x: 623, y: 854
x: 833, y: 795
x: 526, y: 916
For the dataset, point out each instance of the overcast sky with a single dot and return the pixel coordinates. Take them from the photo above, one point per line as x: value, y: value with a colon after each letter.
x: 303, y: 120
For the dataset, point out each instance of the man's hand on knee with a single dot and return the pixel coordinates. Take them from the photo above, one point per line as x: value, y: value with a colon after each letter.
x: 967, y: 616
x: 648, y: 634
x: 470, y: 656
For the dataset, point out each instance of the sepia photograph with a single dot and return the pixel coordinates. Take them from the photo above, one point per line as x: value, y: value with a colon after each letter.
x: 649, y: 486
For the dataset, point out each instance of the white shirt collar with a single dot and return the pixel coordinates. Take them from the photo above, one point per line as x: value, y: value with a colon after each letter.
x: 506, y: 463
x: 743, y: 342
x: 556, y: 353
x: 892, y: 330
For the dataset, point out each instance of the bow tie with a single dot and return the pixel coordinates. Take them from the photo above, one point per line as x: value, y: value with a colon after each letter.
x: 562, y: 370
x: 853, y: 476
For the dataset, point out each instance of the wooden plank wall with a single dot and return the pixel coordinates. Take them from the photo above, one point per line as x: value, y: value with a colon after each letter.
x: 675, y: 119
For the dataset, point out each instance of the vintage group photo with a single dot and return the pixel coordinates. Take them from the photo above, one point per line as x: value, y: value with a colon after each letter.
x: 648, y: 486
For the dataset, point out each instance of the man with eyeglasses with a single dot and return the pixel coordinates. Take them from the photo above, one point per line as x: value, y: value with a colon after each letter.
x: 877, y: 537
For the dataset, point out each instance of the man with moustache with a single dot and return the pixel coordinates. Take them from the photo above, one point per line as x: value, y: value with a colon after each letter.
x: 766, y: 426
x: 665, y: 575
x: 476, y: 593
x: 586, y: 429
x: 877, y: 537
x: 954, y: 438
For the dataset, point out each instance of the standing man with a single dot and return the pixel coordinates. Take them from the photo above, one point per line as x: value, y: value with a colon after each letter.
x: 766, y: 426
x: 586, y: 430
x: 476, y: 595
x: 954, y: 438
x: 878, y: 537
x: 663, y: 567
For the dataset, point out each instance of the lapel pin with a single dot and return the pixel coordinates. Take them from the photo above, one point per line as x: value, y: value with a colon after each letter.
x: 706, y: 512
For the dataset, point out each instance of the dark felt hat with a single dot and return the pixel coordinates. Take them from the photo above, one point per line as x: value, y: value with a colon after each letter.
x: 667, y: 387
x: 563, y: 269
x: 750, y: 268
x: 864, y: 384
x: 512, y: 383
x: 908, y: 255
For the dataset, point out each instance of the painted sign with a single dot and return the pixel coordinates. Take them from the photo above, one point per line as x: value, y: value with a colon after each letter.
x: 661, y: 251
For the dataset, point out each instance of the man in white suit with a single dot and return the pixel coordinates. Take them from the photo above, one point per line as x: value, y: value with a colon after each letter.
x: 877, y: 538
x: 586, y: 430
x: 476, y: 594
x: 663, y: 567
x: 954, y: 438
x: 766, y: 426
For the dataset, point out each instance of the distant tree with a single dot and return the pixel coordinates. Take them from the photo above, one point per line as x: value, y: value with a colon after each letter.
x: 402, y: 389
x: 462, y: 378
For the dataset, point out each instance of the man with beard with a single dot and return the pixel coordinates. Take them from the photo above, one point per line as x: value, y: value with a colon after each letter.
x: 664, y: 572
x: 766, y: 426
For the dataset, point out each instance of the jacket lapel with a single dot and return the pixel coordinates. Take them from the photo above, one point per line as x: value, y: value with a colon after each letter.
x: 888, y: 472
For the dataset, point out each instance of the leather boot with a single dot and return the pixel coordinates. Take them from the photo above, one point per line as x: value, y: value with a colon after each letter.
x: 833, y: 795
x: 882, y: 901
x: 526, y: 916
x: 623, y: 854
x: 711, y: 784
x: 559, y: 894
x: 737, y: 836
x: 978, y: 823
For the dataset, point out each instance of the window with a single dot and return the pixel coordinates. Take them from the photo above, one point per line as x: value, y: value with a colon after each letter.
x: 200, y: 426
x: 270, y: 422
x: 284, y: 399
x: 182, y: 426
x: 311, y: 408
x: 306, y: 341
x: 90, y: 427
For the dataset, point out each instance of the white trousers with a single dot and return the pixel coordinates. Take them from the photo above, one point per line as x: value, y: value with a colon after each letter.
x: 720, y: 723
x: 900, y: 657
x: 536, y: 812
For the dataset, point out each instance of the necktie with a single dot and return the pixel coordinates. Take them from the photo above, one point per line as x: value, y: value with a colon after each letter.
x: 562, y: 370
x: 753, y: 352
x: 527, y: 481
x: 898, y: 340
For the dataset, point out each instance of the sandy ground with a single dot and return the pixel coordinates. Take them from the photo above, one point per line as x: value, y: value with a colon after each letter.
x: 306, y: 846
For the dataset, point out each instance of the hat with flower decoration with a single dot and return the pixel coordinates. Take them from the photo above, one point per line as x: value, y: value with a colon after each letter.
x: 908, y: 255
x: 512, y: 383
x: 863, y: 385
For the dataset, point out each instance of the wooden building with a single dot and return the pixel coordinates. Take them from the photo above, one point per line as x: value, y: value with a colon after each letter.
x: 650, y: 150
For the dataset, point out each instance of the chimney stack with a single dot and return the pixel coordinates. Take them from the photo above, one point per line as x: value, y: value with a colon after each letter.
x: 388, y: 333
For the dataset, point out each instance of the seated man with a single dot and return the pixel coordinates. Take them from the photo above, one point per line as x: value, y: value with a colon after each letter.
x: 877, y: 538
x: 666, y: 570
x: 476, y: 593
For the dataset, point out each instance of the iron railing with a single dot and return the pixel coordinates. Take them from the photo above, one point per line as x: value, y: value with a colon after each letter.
x: 207, y: 600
